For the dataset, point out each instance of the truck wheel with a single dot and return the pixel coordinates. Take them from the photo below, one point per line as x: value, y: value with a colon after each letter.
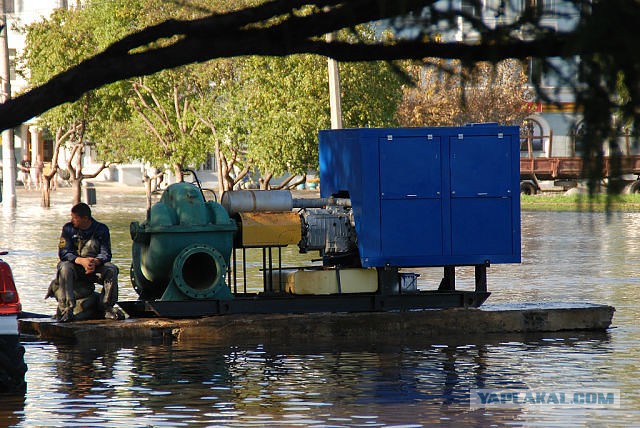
x: 12, y: 368
x: 527, y: 188
x: 634, y: 187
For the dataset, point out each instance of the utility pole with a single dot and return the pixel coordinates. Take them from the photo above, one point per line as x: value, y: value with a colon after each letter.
x: 334, y: 89
x: 8, y: 150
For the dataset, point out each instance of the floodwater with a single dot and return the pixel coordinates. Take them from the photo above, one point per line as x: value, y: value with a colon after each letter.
x: 567, y: 257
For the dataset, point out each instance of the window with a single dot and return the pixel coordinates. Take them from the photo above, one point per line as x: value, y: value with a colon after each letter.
x: 47, y: 150
x: 533, y: 8
x: 534, y: 71
x: 539, y: 7
x: 578, y: 138
x: 9, y: 6
x: 472, y: 7
x: 549, y: 6
x: 12, y: 64
x: 531, y: 135
x: 210, y: 163
x: 14, y: 6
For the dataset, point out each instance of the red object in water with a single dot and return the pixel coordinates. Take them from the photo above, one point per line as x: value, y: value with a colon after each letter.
x: 9, y: 299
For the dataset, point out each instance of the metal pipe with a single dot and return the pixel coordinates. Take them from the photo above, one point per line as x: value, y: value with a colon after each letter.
x: 320, y: 202
x: 235, y: 273
x: 257, y: 200
x: 280, y: 269
x: 264, y: 270
x: 270, y: 272
x: 244, y: 269
x: 273, y: 200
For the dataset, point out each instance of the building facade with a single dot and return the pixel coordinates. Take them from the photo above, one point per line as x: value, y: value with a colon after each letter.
x: 28, y: 137
x: 552, y: 127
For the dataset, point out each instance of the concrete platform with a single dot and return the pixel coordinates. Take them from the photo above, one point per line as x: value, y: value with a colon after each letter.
x: 373, y: 326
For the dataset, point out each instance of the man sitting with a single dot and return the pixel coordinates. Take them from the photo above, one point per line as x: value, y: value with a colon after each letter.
x: 85, y: 258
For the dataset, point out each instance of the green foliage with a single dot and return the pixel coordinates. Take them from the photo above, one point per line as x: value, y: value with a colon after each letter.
x: 288, y: 103
x: 371, y: 92
x: 260, y: 112
x: 58, y: 43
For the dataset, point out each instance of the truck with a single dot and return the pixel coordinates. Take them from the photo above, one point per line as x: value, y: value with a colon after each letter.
x: 538, y: 168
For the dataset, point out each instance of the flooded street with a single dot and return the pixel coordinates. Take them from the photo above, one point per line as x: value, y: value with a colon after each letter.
x: 567, y: 257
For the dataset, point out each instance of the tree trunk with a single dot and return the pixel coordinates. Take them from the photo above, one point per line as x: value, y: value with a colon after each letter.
x: 177, y: 170
x: 291, y: 182
x: 76, y: 186
x: 221, y: 184
x: 147, y: 191
x: 227, y: 182
x: 46, y: 192
x: 264, y: 181
x: 61, y: 136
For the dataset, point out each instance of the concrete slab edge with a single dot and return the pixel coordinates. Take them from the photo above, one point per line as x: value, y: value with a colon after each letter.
x: 306, y: 327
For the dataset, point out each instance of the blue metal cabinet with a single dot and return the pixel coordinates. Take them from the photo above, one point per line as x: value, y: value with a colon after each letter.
x: 428, y: 196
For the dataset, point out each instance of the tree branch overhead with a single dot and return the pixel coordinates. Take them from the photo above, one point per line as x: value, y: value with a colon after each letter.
x: 278, y: 28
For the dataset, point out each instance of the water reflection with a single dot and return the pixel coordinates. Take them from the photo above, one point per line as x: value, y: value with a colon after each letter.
x: 338, y: 384
x: 12, y: 410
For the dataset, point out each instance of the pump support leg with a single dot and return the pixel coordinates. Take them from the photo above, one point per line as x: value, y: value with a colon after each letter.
x: 448, y: 282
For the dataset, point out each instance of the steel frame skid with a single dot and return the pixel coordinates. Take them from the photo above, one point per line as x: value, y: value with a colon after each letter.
x: 274, y: 300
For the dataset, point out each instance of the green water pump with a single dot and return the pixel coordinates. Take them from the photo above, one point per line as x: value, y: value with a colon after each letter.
x: 182, y: 250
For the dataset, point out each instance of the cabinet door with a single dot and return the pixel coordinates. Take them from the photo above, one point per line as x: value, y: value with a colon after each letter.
x: 481, y: 196
x: 411, y: 196
x: 410, y: 167
x: 411, y: 228
x: 481, y: 166
x: 481, y: 226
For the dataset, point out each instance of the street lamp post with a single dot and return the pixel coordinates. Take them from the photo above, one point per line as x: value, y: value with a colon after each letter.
x: 8, y: 152
x: 334, y: 89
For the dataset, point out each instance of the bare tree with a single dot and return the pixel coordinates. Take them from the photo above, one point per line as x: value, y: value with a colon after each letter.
x: 72, y: 137
x: 455, y: 95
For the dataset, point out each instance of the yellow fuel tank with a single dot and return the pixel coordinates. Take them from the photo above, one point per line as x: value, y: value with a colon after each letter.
x: 325, y: 281
x: 269, y: 229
